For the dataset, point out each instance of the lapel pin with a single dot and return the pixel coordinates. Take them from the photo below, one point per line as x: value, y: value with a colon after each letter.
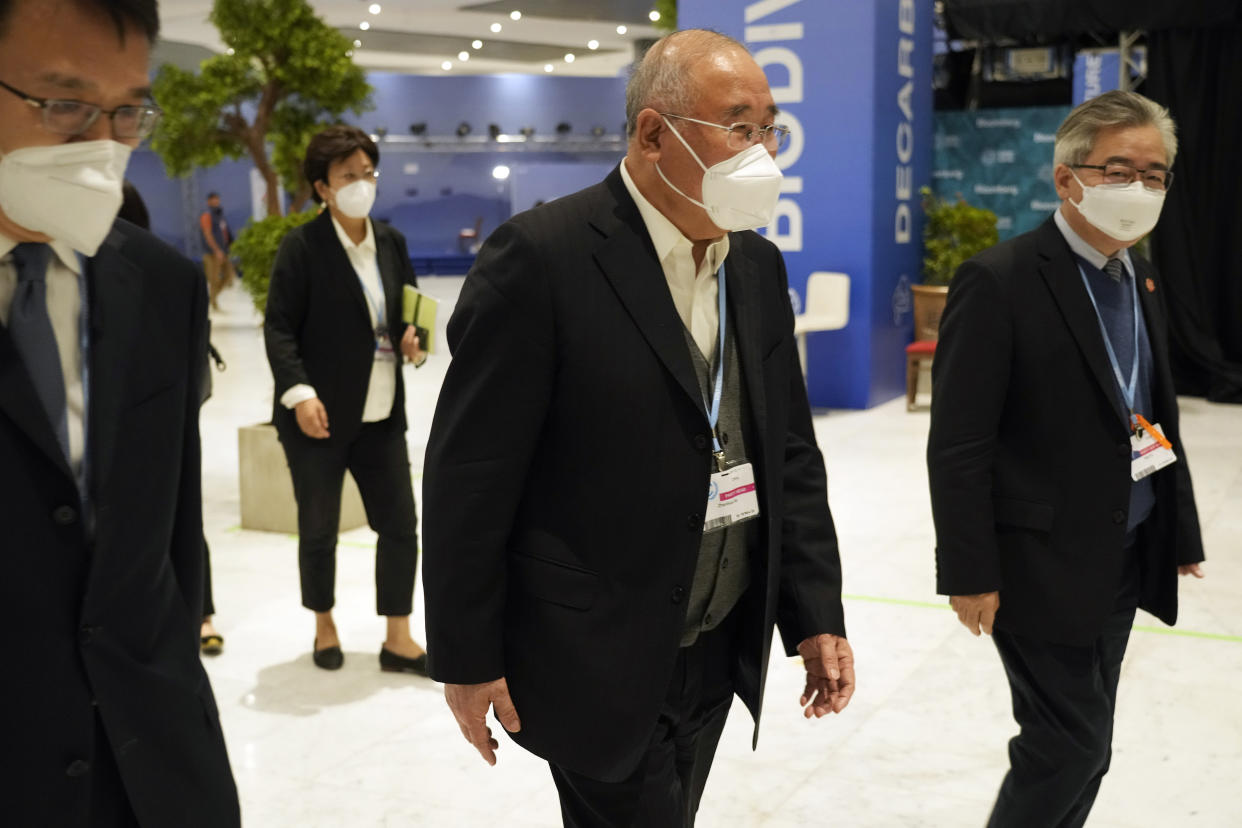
x: 1151, y: 286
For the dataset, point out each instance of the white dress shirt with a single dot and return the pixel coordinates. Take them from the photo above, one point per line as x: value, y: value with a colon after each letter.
x: 1079, y: 245
x: 64, y: 308
x: 382, y: 388
x: 694, y: 290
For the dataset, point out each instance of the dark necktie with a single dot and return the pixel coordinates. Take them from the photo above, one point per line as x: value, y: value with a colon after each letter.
x: 1114, y: 268
x: 31, y: 329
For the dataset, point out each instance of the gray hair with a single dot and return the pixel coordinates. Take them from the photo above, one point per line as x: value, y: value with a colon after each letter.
x: 661, y: 80
x: 1078, y: 133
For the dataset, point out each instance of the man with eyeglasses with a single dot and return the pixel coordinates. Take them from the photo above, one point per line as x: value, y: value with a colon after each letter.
x: 109, y: 717
x: 624, y: 491
x: 1059, y: 485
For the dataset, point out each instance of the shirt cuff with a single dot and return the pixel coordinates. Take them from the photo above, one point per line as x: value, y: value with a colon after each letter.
x: 297, y: 394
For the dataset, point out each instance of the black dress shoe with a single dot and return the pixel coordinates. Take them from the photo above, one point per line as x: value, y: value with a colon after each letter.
x: 390, y: 662
x: 329, y: 658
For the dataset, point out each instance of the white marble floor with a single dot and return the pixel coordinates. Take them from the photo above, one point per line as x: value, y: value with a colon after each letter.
x: 922, y: 744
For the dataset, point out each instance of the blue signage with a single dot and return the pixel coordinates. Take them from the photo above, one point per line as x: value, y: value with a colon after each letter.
x: 853, y: 80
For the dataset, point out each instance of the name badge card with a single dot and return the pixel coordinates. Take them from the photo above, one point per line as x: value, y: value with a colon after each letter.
x: 731, y: 498
x: 383, y: 348
x: 1150, y: 451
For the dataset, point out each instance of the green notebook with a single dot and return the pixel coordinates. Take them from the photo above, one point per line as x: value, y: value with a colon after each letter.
x: 419, y: 310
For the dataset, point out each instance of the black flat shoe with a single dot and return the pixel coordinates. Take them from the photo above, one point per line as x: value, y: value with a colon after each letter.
x: 390, y: 662
x: 329, y: 658
x: 211, y: 645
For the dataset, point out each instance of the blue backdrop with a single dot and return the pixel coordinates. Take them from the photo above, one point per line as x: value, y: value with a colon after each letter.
x: 853, y: 78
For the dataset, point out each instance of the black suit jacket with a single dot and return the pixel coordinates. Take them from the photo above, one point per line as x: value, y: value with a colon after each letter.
x: 567, y: 472
x: 318, y: 327
x: 1029, y: 453
x: 108, y: 620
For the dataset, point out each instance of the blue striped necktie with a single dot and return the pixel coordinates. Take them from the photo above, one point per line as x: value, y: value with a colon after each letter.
x: 31, y: 329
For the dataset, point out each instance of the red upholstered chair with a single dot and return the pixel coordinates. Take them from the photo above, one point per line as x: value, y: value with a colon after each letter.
x: 928, y: 306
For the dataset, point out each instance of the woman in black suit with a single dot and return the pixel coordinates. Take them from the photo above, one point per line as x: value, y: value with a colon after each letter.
x: 336, y: 342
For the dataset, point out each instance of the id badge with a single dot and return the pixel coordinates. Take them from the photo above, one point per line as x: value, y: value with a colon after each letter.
x: 383, y: 349
x: 731, y: 498
x: 1149, y: 452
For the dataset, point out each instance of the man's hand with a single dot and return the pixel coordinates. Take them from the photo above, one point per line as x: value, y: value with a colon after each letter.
x: 976, y: 611
x: 411, y: 347
x: 829, y: 664
x: 312, y: 418
x: 219, y: 254
x: 1190, y: 569
x: 469, y: 703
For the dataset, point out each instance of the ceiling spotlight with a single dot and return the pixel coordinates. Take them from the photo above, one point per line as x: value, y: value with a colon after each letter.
x: 364, y: 25
x: 463, y: 56
x: 357, y: 44
x: 592, y: 45
x: 493, y: 131
x: 376, y: 8
x: 622, y: 29
x: 463, y: 129
x: 527, y: 131
x: 229, y: 51
x: 374, y: 138
x: 350, y: 53
x: 500, y: 173
x: 381, y: 131
x: 419, y: 128
x: 515, y: 15
x: 597, y: 131
x: 496, y: 27
x: 570, y: 58
x: 654, y: 17
x: 447, y: 65
x: 478, y: 44
x: 564, y: 128
x: 547, y: 67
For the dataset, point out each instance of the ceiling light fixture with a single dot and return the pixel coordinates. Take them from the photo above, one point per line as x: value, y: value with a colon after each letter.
x: 622, y: 30
x: 364, y: 25
x: 570, y: 58
x: 515, y: 15
x: 547, y: 67
x: 654, y: 17
x: 500, y: 173
x: 496, y: 27
x: 447, y: 65
x: 478, y: 44
x: 376, y: 8
x: 230, y: 51
x: 592, y: 45
x: 463, y: 56
x: 357, y: 43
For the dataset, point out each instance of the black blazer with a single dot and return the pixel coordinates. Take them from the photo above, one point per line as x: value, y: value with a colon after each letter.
x: 567, y: 471
x: 318, y: 327
x: 1029, y: 453
x: 111, y: 623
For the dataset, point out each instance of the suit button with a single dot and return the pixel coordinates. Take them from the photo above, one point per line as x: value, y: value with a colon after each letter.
x: 1119, y: 516
x: 694, y: 522
x: 700, y: 442
x: 724, y: 563
x: 65, y: 515
x: 678, y: 594
x: 707, y: 619
x: 78, y: 767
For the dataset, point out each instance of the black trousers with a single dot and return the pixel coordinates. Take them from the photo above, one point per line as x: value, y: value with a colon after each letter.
x: 380, y: 463
x: 1064, y: 698
x: 209, y: 605
x: 665, y: 789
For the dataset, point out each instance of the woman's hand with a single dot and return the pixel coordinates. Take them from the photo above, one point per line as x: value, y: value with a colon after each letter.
x: 411, y: 347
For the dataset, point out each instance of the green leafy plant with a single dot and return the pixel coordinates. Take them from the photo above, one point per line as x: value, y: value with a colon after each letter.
x: 954, y: 232
x: 255, y: 248
x: 287, y: 74
x: 668, y: 15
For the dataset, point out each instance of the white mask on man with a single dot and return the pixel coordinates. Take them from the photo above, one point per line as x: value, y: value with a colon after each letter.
x: 356, y: 200
x: 739, y: 193
x: 1125, y: 212
x: 68, y: 192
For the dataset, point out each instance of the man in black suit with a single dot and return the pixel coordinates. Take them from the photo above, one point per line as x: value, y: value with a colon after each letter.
x: 109, y: 717
x: 613, y: 350
x: 1060, y: 490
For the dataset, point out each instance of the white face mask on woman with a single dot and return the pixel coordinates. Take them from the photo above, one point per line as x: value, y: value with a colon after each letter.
x: 739, y: 193
x: 68, y: 192
x: 356, y: 200
x: 1125, y: 212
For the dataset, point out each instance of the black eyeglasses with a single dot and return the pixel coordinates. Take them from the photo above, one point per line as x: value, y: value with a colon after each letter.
x: 67, y: 117
x: 1125, y: 174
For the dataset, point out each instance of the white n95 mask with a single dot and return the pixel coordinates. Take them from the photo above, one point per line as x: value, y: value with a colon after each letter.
x: 68, y: 192
x: 739, y: 193
x: 356, y: 200
x: 1125, y: 212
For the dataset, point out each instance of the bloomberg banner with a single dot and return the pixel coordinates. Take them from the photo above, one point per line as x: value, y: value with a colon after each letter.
x: 853, y: 81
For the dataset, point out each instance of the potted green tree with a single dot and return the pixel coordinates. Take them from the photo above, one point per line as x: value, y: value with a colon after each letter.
x: 955, y: 231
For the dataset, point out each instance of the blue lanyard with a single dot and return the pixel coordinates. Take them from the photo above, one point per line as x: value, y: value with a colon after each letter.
x: 1127, y: 389
x: 713, y: 414
x: 381, y: 307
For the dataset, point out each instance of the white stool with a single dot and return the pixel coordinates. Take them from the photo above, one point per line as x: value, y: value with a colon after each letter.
x: 827, y: 308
